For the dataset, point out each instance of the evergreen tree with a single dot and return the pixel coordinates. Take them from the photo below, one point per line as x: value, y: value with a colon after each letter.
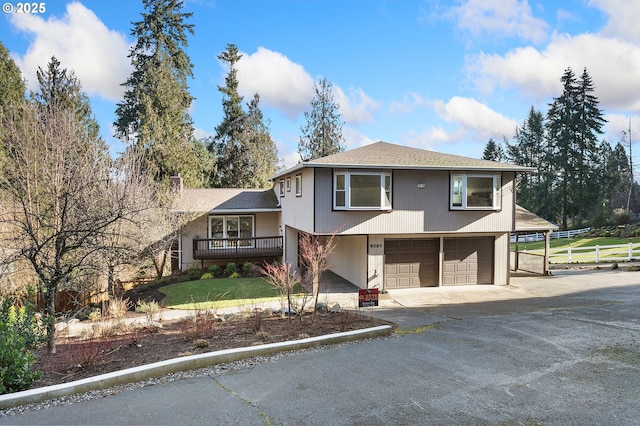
x: 59, y: 88
x: 227, y: 146
x: 493, y: 151
x: 530, y: 149
x: 261, y: 150
x: 322, y: 133
x: 154, y: 114
x: 12, y: 87
x: 617, y: 177
x: 573, y: 123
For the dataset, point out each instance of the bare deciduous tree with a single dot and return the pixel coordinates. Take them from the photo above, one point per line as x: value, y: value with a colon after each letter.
x: 62, y: 198
x: 284, y: 277
x: 314, y: 252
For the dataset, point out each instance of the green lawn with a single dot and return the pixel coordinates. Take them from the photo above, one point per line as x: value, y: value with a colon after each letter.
x: 218, y: 293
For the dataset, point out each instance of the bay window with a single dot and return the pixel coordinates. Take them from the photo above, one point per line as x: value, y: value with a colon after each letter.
x: 361, y: 191
x: 475, y: 192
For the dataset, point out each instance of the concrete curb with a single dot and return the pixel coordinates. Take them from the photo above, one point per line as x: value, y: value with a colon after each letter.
x: 192, y: 362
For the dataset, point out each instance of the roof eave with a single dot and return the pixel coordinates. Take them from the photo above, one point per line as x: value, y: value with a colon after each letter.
x: 405, y: 167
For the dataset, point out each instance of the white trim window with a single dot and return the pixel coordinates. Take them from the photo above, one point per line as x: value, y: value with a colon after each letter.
x: 362, y: 191
x: 298, y: 185
x: 475, y: 192
x: 223, y: 227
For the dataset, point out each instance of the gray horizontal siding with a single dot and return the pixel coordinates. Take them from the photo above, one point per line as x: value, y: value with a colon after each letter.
x: 415, y: 210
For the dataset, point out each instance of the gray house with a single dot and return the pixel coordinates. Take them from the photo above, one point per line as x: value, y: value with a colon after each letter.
x: 404, y: 217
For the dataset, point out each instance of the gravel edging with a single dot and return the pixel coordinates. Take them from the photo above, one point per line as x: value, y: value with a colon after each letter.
x: 177, y: 365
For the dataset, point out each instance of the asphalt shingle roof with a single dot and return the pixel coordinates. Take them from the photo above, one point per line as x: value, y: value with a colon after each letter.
x: 388, y: 155
x: 528, y: 221
x: 218, y: 199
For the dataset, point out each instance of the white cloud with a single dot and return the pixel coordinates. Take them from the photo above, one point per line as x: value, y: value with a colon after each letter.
x: 614, y: 66
x: 475, y: 118
x: 407, y: 104
x: 285, y: 85
x: 430, y: 138
x: 280, y: 82
x: 357, y: 107
x: 623, y: 18
x: 355, y: 139
x: 82, y: 43
x: 504, y: 18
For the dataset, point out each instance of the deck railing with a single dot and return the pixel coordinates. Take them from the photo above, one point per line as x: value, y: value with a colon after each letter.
x: 237, y: 248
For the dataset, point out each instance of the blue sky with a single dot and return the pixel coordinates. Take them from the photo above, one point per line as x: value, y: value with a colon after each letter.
x: 440, y: 75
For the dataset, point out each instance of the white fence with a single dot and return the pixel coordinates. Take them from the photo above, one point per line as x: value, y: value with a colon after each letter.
x: 539, y: 236
x: 592, y: 254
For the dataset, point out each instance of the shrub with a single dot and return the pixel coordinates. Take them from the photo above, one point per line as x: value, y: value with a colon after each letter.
x: 234, y: 275
x: 230, y: 268
x: 118, y: 307
x: 621, y: 216
x: 89, y: 353
x: 194, y: 272
x: 200, y: 326
x: 94, y: 315
x: 246, y: 267
x: 19, y: 332
x: 206, y: 276
x: 149, y: 308
x: 215, y: 270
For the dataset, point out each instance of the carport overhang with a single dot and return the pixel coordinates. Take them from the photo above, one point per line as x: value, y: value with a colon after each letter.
x: 526, y: 222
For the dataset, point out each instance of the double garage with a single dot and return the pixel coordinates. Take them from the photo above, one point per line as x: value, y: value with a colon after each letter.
x: 415, y: 262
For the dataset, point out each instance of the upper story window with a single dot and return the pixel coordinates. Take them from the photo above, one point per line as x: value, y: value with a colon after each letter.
x: 281, y: 184
x: 362, y: 191
x: 475, y: 192
x: 298, y: 185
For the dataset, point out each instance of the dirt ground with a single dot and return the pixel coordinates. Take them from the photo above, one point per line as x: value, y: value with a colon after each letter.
x: 116, y: 347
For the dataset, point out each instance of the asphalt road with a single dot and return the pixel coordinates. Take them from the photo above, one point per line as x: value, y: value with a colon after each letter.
x: 558, y: 351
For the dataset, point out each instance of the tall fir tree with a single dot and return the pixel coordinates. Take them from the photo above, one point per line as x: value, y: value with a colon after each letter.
x: 493, y: 151
x: 59, y: 88
x: 262, y: 154
x: 530, y: 149
x: 154, y: 115
x: 573, y: 123
x: 322, y: 133
x: 227, y: 146
x: 12, y: 87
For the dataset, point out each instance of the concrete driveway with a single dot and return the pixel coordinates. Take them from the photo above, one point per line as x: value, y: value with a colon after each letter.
x: 557, y: 350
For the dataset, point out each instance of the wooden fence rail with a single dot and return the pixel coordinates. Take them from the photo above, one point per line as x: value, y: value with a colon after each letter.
x: 592, y: 254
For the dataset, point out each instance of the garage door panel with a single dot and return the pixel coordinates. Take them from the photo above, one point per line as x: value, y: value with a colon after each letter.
x: 411, y: 263
x: 468, y: 261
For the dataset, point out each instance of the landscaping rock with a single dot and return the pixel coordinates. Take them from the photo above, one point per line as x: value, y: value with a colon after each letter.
x: 335, y: 309
x: 322, y: 308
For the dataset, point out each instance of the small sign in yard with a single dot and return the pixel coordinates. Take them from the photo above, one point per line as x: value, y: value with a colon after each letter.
x: 367, y: 297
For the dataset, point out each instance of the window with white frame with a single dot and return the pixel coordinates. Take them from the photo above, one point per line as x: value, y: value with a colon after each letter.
x: 298, y: 185
x: 362, y: 190
x: 475, y: 192
x: 223, y: 228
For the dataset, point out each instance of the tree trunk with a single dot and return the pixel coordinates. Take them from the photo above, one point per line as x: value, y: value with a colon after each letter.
x: 50, y: 317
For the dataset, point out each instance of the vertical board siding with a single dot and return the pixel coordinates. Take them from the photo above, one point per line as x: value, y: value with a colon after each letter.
x: 298, y: 211
x: 415, y: 209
